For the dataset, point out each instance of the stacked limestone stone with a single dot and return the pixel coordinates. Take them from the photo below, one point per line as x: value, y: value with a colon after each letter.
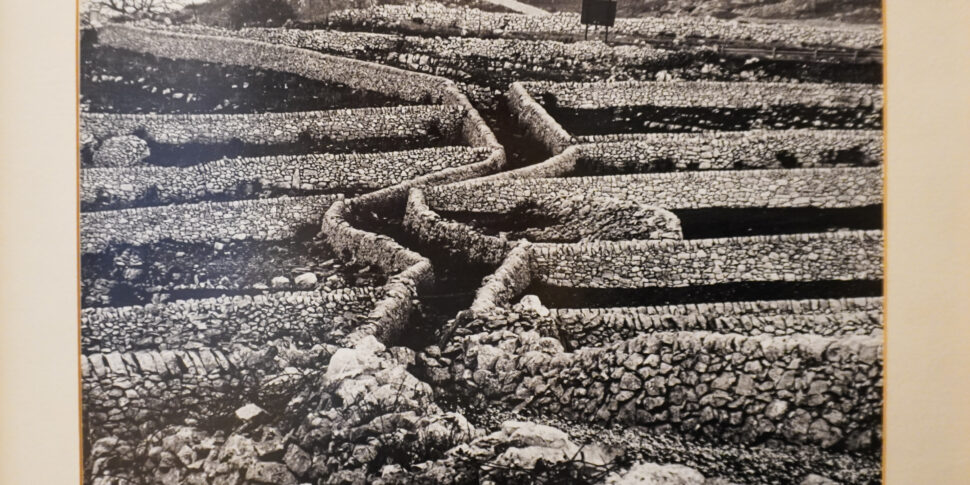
x: 853, y: 104
x: 298, y: 173
x: 435, y: 16
x: 805, y: 372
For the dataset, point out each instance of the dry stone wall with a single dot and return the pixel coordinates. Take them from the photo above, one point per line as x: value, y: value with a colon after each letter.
x: 276, y: 128
x: 848, y: 255
x: 264, y: 220
x: 658, y: 152
x: 309, y: 64
x: 438, y: 54
x: 734, y: 150
x: 816, y: 187
x: 584, y: 327
x: 510, y: 279
x: 440, y: 18
x: 542, y: 126
x: 314, y: 172
x: 803, y: 389
x: 536, y: 121
x: 708, y: 94
x: 769, y: 386
x: 127, y: 393
x: 309, y: 317
x: 460, y: 239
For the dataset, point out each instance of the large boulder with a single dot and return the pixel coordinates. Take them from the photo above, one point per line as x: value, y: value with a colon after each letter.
x: 653, y: 474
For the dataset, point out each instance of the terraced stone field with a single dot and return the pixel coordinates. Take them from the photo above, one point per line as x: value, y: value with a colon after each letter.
x: 349, y: 255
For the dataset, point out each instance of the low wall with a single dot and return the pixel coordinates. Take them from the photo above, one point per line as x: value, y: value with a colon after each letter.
x: 717, y: 150
x: 308, y: 317
x: 410, y: 271
x: 711, y: 94
x: 698, y: 94
x: 848, y: 255
x: 726, y: 150
x: 407, y: 85
x: 584, y: 327
x: 460, y: 239
x: 314, y: 172
x: 510, y: 279
x: 276, y: 128
x: 811, y: 187
x: 135, y: 393
x: 261, y: 219
x: 790, y: 34
x: 803, y: 389
x: 453, y: 56
x: 590, y: 327
x: 536, y: 121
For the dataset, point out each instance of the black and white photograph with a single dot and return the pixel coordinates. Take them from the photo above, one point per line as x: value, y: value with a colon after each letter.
x: 481, y: 242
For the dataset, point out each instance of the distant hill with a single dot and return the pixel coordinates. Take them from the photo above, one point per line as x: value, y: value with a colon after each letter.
x: 851, y: 11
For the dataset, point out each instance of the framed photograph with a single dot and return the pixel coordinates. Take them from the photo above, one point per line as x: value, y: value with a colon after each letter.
x: 465, y: 241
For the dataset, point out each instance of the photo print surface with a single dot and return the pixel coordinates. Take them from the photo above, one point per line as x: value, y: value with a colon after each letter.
x: 481, y: 241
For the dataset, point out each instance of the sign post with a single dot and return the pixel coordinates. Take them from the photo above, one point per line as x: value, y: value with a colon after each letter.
x: 598, y: 12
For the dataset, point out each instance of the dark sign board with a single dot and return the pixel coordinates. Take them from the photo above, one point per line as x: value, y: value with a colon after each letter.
x: 598, y: 12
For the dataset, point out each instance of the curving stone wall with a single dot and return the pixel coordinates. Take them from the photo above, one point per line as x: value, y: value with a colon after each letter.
x: 536, y: 121
x: 577, y: 218
x: 510, y: 279
x: 440, y: 18
x: 460, y: 239
x: 803, y: 389
x: 313, y: 172
x: 810, y: 187
x: 164, y: 42
x: 847, y: 255
x: 263, y: 219
x: 422, y: 53
x: 309, y: 317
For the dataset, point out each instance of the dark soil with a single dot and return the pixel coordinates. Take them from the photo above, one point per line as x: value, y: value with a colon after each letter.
x: 244, y: 190
x: 133, y: 275
x: 586, y: 167
x: 120, y: 81
x: 563, y: 297
x: 717, y: 222
x: 455, y: 283
x: 188, y: 154
x: 655, y: 119
x: 520, y: 219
